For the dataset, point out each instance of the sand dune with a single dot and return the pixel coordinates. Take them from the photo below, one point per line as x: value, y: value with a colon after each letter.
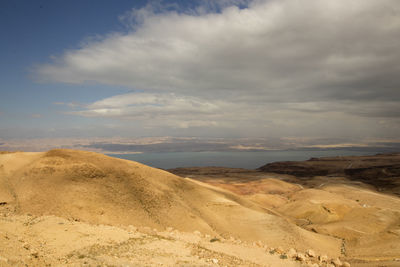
x: 96, y: 189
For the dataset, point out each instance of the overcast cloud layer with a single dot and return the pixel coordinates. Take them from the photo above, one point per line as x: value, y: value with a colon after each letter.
x: 278, y: 67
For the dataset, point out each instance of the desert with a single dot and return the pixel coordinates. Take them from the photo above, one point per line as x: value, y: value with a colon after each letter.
x: 200, y: 133
x: 77, y: 208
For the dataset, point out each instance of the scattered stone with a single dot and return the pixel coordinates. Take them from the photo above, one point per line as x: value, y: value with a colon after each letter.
x: 337, y: 262
x: 323, y: 258
x: 172, y: 234
x: 215, y: 261
x: 26, y: 246
x: 311, y: 253
x: 279, y: 250
x: 35, y: 254
x: 283, y: 256
x: 197, y: 233
x: 300, y: 257
x: 292, y: 253
x: 346, y: 264
x: 259, y: 243
x: 272, y: 251
x: 214, y: 239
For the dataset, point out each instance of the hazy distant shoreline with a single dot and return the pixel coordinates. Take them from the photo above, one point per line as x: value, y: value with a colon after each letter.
x: 232, y: 159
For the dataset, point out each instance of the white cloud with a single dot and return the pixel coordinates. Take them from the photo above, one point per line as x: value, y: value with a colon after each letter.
x: 146, y: 105
x: 285, y: 63
x: 160, y: 113
x: 70, y: 104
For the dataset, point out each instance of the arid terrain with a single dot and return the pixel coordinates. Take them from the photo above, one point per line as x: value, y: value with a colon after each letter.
x: 354, y: 199
x: 76, y: 208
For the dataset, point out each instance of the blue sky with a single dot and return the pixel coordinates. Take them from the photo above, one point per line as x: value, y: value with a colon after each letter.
x: 33, y: 31
x: 232, y: 68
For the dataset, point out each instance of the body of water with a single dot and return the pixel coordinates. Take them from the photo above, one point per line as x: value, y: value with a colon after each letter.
x: 239, y: 159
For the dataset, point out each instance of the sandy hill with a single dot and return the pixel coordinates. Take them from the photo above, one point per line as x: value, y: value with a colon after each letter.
x: 97, y: 189
x: 364, y: 218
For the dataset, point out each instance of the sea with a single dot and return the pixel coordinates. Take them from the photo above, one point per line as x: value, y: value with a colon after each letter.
x: 235, y: 159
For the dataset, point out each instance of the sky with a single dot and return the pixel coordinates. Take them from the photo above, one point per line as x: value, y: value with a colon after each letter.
x: 208, y: 69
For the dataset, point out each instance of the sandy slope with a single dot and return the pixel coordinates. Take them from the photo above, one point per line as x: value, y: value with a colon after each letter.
x: 50, y: 240
x: 367, y: 221
x: 369, y: 229
x: 96, y: 189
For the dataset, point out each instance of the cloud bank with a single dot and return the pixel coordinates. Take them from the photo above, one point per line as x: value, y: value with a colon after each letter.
x: 280, y: 67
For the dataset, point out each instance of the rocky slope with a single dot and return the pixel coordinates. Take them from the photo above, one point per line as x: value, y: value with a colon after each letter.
x: 381, y: 171
x: 27, y: 240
